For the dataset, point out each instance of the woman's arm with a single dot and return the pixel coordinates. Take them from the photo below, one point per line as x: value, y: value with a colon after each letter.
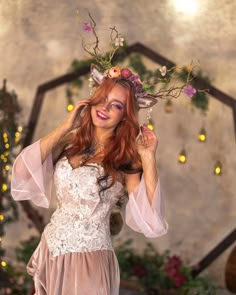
x: 55, y: 141
x: 145, y: 209
x: 146, y: 146
x: 32, y: 171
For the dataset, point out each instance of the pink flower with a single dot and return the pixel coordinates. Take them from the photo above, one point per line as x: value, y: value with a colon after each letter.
x: 126, y: 73
x: 139, y: 270
x: 179, y: 279
x: 189, y: 91
x: 175, y: 262
x: 171, y: 271
x: 87, y: 27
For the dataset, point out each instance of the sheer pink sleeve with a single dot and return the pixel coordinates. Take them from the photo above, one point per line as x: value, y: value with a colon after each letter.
x: 143, y: 217
x: 32, y: 179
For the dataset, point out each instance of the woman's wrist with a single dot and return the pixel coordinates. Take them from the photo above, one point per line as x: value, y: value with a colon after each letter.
x: 148, y: 156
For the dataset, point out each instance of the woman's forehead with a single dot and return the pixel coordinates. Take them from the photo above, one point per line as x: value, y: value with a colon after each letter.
x: 117, y: 93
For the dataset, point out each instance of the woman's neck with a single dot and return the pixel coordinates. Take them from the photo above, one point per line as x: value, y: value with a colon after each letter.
x: 102, y: 135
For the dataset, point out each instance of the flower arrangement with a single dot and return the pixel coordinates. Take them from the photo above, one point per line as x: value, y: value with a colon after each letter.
x: 146, y: 94
x: 154, y: 273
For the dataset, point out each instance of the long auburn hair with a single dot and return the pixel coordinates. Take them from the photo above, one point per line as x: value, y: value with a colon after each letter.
x: 120, y: 154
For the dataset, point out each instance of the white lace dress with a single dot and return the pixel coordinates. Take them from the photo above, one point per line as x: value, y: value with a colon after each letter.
x: 75, y: 254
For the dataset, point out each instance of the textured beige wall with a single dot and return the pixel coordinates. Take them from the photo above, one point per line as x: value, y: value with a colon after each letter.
x: 39, y: 39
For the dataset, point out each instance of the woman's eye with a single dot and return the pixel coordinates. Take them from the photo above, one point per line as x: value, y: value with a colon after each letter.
x: 117, y: 106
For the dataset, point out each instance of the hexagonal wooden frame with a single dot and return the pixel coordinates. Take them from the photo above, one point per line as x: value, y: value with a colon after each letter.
x: 157, y: 58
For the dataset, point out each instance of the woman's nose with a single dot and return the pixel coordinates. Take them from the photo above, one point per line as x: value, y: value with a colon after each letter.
x: 105, y: 105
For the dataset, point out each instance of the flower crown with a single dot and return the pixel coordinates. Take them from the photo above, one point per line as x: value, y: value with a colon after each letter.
x: 144, y: 99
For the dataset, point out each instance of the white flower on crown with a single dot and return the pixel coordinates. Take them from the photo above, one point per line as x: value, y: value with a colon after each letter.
x: 163, y: 71
x: 119, y: 41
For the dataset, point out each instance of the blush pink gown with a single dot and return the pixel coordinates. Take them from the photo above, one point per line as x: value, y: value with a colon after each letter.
x: 75, y: 254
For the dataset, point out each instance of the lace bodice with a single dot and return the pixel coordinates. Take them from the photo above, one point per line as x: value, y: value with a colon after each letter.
x: 81, y: 221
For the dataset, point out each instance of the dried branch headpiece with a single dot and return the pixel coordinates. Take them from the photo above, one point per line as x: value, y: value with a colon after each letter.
x: 144, y: 99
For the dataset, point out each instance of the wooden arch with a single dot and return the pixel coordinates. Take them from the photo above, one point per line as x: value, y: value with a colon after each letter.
x: 157, y: 58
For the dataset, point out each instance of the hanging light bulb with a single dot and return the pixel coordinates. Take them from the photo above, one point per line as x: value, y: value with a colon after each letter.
x: 202, y: 135
x: 182, y: 156
x: 218, y: 168
x: 70, y: 104
x: 2, y: 217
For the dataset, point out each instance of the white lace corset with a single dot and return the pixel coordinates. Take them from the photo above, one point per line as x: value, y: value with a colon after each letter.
x: 81, y: 221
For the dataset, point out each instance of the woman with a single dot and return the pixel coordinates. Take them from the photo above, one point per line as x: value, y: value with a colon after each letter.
x: 94, y: 158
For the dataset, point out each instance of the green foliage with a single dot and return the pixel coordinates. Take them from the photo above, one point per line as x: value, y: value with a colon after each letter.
x: 154, y: 271
x: 200, y: 101
x: 11, y: 138
x: 19, y: 282
x: 26, y: 249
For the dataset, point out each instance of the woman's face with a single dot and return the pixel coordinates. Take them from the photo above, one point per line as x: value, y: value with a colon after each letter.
x: 111, y: 110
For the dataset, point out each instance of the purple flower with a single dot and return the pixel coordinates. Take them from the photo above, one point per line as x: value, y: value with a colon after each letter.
x: 87, y: 27
x: 189, y: 91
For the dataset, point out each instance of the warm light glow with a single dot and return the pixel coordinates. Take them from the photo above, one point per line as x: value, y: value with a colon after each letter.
x: 20, y: 128
x: 70, y: 107
x: 182, y: 157
x: 2, y: 217
x: 186, y: 6
x: 5, y: 139
x: 4, y: 187
x: 3, y: 263
x: 7, y: 145
x: 218, y: 168
x: 4, y: 135
x: 202, y: 137
x: 17, y: 134
x: 7, y: 167
x: 150, y: 126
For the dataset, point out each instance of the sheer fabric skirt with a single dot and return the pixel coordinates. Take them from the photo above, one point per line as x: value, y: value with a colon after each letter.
x: 80, y: 273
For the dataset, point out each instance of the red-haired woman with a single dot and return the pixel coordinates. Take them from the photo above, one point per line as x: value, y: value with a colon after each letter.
x: 94, y: 161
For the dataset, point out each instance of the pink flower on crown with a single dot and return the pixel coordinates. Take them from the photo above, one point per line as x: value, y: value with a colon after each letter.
x: 87, y: 27
x: 189, y: 91
x: 126, y: 73
x: 138, y: 86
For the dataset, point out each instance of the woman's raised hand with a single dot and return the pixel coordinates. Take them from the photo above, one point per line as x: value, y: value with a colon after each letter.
x: 73, y: 118
x: 146, y: 141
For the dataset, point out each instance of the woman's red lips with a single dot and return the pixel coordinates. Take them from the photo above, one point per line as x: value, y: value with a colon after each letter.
x: 101, y: 115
